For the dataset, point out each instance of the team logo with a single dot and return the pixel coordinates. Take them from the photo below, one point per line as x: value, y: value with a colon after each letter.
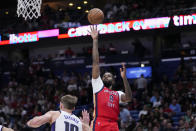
x: 111, y: 98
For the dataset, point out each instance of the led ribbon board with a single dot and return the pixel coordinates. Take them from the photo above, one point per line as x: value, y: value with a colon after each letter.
x: 116, y: 27
x: 107, y: 28
x: 30, y: 36
x: 142, y: 24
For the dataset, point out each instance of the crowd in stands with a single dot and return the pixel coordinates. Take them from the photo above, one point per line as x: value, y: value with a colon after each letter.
x: 29, y: 89
x: 115, y: 11
x: 110, y: 49
x: 133, y: 9
x: 85, y: 52
x: 167, y: 105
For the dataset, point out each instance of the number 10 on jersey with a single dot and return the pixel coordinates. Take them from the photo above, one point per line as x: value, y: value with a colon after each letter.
x: 70, y: 127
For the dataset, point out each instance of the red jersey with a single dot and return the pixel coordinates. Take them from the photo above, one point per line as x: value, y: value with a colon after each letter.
x: 106, y: 103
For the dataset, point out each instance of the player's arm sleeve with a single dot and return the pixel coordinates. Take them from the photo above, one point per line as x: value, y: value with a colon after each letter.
x: 1, y: 127
x: 120, y: 93
x: 97, y: 84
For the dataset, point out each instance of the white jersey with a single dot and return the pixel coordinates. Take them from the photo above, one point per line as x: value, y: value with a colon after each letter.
x: 1, y: 127
x: 67, y: 122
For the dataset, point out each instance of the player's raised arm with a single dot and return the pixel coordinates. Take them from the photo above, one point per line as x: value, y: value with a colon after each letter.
x: 85, y: 121
x: 40, y: 120
x: 128, y: 93
x: 95, y: 69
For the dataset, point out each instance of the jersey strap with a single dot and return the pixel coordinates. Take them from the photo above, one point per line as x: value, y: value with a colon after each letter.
x: 53, y: 126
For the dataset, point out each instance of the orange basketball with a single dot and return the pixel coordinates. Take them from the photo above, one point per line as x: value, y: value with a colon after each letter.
x: 95, y: 16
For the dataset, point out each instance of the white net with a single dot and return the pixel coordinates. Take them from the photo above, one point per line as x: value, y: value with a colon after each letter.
x: 29, y: 8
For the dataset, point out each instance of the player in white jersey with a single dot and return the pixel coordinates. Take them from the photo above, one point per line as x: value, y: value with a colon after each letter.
x: 63, y: 120
x: 2, y: 128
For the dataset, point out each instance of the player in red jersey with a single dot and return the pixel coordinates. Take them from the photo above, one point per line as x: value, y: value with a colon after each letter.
x: 106, y: 100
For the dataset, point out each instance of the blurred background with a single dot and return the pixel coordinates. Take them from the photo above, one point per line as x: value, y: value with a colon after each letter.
x: 161, y: 63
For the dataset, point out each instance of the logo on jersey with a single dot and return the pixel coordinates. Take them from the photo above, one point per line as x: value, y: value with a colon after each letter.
x: 71, y: 118
x: 111, y: 98
x: 111, y: 92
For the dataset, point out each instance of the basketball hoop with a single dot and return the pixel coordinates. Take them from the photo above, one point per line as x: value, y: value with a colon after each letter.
x: 29, y: 8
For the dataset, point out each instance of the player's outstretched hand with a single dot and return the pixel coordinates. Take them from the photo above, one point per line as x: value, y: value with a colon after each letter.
x: 123, y: 71
x: 85, y: 121
x: 85, y: 117
x: 94, y: 32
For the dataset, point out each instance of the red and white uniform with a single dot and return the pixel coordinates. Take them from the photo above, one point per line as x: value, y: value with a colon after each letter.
x: 106, y: 107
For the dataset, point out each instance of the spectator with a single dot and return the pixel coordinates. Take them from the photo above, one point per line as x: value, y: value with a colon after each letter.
x: 169, y: 127
x: 102, y: 50
x: 157, y: 103
x: 167, y: 97
x: 188, y: 116
x: 167, y: 111
x: 141, y: 84
x: 134, y: 104
x: 125, y: 117
x: 163, y: 125
x: 138, y: 128
x: 65, y: 77
x: 69, y: 53
x: 181, y: 125
x: 89, y: 50
x: 87, y: 79
x: 156, y: 99
x: 112, y: 49
x: 144, y: 111
x: 12, y: 83
x: 61, y: 54
x: 72, y: 86
x: 155, y: 128
x: 174, y: 106
x: 50, y: 80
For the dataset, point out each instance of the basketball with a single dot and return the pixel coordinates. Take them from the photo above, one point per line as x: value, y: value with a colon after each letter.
x: 95, y: 16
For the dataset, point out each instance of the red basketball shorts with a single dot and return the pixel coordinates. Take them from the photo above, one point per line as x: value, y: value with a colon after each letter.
x: 105, y: 125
